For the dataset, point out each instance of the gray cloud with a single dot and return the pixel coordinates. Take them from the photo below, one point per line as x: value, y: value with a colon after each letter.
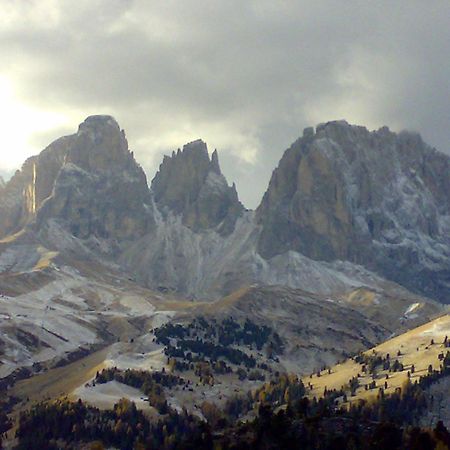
x: 246, y: 77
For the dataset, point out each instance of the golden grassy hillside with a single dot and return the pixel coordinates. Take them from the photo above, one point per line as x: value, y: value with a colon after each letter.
x: 420, y: 347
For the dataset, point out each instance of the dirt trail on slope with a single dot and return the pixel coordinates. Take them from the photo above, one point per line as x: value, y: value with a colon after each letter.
x: 61, y: 380
x: 55, y: 383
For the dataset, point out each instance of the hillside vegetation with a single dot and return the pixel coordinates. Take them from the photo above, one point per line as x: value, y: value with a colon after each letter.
x: 387, y: 366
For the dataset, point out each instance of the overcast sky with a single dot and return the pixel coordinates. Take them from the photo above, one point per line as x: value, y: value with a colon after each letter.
x: 245, y: 76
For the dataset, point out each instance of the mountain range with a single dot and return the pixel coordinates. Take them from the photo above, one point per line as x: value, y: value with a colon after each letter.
x: 102, y: 269
x: 345, y: 207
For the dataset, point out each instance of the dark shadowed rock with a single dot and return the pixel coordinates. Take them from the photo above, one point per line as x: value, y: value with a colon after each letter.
x: 191, y: 185
x: 100, y: 190
x: 375, y: 198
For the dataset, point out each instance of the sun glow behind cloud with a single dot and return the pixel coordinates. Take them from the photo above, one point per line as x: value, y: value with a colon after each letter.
x: 19, y: 122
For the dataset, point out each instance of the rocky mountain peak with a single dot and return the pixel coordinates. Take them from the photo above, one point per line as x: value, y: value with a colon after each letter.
x: 100, y: 190
x: 196, y: 149
x: 376, y: 198
x: 191, y: 185
x: 340, y: 195
x: 100, y: 145
x: 215, y: 166
x: 88, y: 182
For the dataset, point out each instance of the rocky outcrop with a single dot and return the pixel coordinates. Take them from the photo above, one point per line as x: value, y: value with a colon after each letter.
x: 191, y: 185
x: 88, y: 182
x: 372, y: 198
x: 100, y: 190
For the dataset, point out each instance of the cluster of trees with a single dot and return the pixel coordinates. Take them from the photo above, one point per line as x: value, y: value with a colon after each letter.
x: 138, y: 378
x: 371, y: 363
x: 206, y: 370
x: 285, y: 419
x: 436, y: 375
x: 205, y: 346
x: 406, y: 403
x: 282, y: 389
x: 170, y: 330
x: 387, y: 422
x: 231, y: 332
x: 152, y: 384
x: 223, y: 334
x: 48, y: 425
x: 5, y: 422
x: 294, y: 428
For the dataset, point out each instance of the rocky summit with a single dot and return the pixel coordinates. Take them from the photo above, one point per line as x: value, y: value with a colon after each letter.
x: 377, y: 198
x: 346, y: 207
x: 88, y: 183
x: 191, y: 185
x: 100, y: 190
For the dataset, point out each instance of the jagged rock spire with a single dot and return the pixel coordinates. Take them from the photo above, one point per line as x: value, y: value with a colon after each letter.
x: 215, y: 162
x: 191, y: 184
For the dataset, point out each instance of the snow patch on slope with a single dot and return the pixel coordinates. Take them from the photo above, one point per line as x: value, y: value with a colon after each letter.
x: 106, y: 395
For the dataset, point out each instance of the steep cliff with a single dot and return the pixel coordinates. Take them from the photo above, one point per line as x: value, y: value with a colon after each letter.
x: 100, y: 190
x: 88, y: 182
x: 345, y: 208
x: 191, y: 185
x: 23, y: 195
x: 374, y: 198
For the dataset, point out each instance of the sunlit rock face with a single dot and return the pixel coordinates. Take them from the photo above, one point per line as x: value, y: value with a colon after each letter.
x: 375, y: 198
x: 23, y: 195
x: 191, y: 185
x: 100, y: 146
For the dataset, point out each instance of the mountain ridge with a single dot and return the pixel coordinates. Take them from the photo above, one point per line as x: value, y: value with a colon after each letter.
x: 340, y: 193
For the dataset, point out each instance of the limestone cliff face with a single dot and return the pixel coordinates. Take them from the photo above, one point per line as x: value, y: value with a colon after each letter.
x: 191, y: 185
x: 23, y: 195
x: 89, y: 182
x: 374, y: 198
x: 100, y: 190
